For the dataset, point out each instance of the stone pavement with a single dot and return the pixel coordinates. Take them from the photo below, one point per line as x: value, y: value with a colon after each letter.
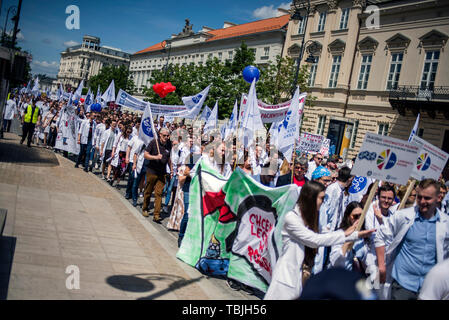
x: 59, y: 216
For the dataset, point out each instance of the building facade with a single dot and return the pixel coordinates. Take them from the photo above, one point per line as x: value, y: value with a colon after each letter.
x: 86, y: 60
x: 265, y: 37
x: 374, y: 71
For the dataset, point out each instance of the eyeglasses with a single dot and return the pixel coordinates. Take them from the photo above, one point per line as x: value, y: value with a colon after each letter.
x: 165, y: 135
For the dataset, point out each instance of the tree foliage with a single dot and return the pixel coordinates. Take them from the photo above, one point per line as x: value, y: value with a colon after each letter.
x: 107, y: 73
x: 227, y: 84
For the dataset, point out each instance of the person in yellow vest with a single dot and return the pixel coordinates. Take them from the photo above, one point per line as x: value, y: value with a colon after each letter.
x: 31, y: 116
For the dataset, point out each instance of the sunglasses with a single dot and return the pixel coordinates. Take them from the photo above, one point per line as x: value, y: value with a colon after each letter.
x: 165, y: 135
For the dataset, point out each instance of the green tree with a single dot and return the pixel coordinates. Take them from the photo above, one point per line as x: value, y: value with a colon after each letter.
x: 120, y: 75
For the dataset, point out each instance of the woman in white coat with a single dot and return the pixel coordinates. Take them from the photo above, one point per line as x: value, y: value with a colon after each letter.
x: 300, y: 241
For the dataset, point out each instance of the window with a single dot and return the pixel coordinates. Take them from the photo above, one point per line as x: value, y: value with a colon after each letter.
x: 302, y: 25
x: 321, y: 125
x: 209, y: 56
x: 354, y: 134
x: 430, y: 70
x: 334, y: 71
x: 253, y: 51
x: 420, y: 132
x: 322, y: 21
x: 312, y: 76
x: 364, y: 71
x: 383, y: 129
x: 344, y: 18
x: 230, y: 54
x: 266, y: 51
x: 220, y: 55
x: 395, y: 70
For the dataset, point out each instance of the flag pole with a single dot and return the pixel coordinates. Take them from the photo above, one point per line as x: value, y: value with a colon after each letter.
x: 362, y: 217
x: 407, y: 194
x: 293, y: 160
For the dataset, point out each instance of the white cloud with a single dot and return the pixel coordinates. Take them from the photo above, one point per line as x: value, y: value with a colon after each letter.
x: 50, y: 68
x: 71, y: 43
x: 270, y: 11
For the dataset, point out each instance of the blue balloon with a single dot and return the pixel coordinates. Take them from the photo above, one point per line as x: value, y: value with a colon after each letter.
x: 96, y: 107
x: 251, y: 72
x: 75, y: 102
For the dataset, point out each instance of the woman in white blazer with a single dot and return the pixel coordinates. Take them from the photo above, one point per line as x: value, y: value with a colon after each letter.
x: 300, y: 241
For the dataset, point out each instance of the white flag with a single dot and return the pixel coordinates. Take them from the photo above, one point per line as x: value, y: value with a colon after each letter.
x: 98, y: 97
x: 78, y: 91
x: 415, y: 128
x: 60, y: 92
x: 109, y: 94
x: 194, y: 103
x: 289, y: 132
x: 232, y: 124
x: 212, y: 122
x: 251, y: 121
x: 147, y: 131
x: 205, y: 114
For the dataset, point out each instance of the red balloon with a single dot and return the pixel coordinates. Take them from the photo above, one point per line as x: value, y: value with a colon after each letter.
x: 81, y: 99
x: 162, y: 89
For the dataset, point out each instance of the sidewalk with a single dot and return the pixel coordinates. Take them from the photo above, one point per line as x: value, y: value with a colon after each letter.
x: 59, y: 216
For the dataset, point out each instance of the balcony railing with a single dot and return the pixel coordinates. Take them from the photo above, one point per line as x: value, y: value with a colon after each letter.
x: 419, y: 93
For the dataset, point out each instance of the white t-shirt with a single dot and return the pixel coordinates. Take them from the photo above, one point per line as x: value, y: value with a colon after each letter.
x: 436, y: 283
x: 133, y: 145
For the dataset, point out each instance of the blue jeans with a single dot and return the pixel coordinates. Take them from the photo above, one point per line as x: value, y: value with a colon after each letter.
x: 129, y: 186
x: 185, y: 218
x: 136, y: 183
x: 90, y: 151
x: 169, y: 189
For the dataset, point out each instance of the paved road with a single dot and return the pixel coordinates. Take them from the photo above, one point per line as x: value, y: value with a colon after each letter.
x: 59, y: 216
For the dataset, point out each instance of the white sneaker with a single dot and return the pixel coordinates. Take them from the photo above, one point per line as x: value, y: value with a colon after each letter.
x: 141, y: 195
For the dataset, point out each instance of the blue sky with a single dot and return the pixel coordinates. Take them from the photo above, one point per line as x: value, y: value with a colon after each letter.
x: 129, y: 25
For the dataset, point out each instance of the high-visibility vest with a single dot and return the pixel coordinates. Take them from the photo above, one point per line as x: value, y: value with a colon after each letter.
x: 31, y: 116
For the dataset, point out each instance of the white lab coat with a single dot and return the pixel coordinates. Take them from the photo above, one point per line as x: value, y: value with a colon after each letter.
x: 286, y: 283
x: 100, y: 128
x: 104, y: 140
x: 394, y: 231
x: 84, y: 131
x: 10, y: 110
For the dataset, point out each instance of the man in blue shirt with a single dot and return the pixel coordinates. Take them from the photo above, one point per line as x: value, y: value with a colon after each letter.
x: 419, y: 239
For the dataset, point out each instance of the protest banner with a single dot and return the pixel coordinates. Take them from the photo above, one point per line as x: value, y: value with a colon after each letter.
x: 429, y: 165
x: 310, y: 143
x: 274, y: 113
x: 67, y: 137
x: 430, y: 161
x: 385, y: 158
x: 234, y: 227
x: 325, y: 147
x: 126, y: 100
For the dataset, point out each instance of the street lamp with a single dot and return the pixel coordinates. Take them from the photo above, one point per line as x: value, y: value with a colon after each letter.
x: 14, y: 12
x: 297, y: 6
x: 166, y: 44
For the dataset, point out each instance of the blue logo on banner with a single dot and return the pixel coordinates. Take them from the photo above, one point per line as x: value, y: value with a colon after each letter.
x: 287, y: 119
x: 147, y: 127
x: 358, y: 184
x: 124, y: 95
x: 197, y: 98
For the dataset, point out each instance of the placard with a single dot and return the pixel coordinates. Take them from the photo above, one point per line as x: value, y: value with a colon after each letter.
x: 310, y: 143
x: 386, y: 159
x: 431, y: 160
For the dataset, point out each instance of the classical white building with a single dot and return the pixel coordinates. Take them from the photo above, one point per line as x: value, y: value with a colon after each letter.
x: 265, y: 37
x: 86, y: 60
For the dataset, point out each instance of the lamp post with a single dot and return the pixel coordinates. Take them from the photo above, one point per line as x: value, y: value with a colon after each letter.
x: 14, y: 12
x: 296, y: 15
x: 166, y: 44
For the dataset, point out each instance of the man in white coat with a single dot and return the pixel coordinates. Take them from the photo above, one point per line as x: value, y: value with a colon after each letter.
x: 9, y: 113
x: 419, y: 239
x: 86, y: 140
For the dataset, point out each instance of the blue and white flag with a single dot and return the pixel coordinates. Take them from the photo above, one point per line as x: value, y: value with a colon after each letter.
x: 98, y: 96
x: 289, y: 131
x: 109, y: 94
x: 251, y: 120
x: 36, y: 87
x: 205, y: 114
x: 415, y: 128
x: 359, y: 188
x: 212, y: 121
x: 127, y: 100
x: 60, y: 92
x: 78, y: 91
x: 194, y: 103
x: 147, y: 131
x: 232, y: 123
